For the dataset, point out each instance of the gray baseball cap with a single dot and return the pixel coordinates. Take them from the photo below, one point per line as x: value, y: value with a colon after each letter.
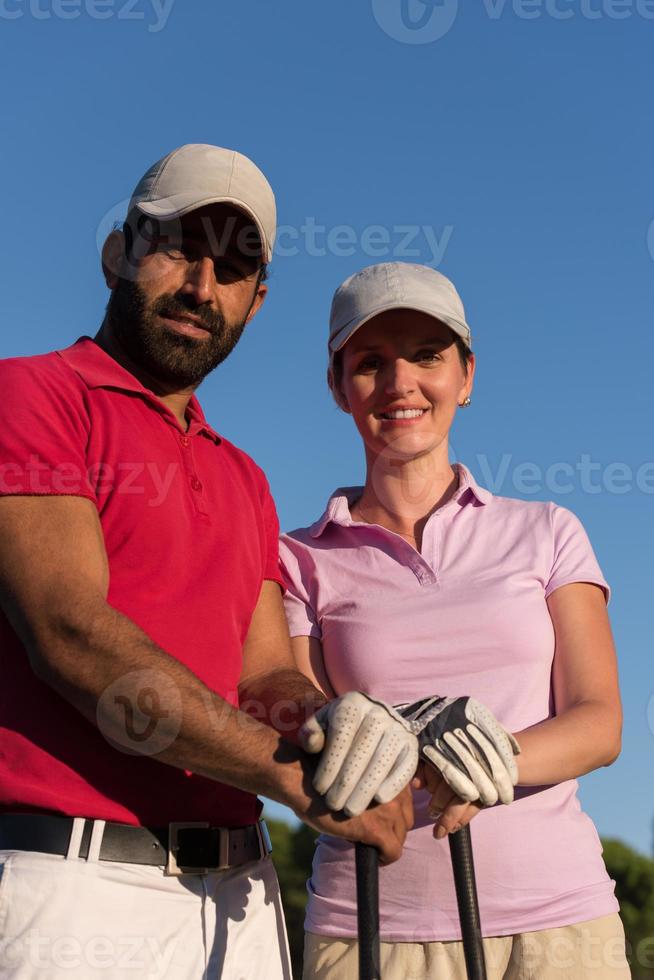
x: 198, y: 174
x: 394, y: 286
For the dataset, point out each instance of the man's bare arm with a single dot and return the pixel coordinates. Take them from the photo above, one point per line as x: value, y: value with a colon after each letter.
x: 54, y: 580
x: 272, y: 689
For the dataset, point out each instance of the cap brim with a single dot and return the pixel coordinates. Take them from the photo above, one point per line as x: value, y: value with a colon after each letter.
x: 181, y: 204
x: 342, y: 336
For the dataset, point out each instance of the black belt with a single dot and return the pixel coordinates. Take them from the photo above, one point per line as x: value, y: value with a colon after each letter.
x: 183, y: 848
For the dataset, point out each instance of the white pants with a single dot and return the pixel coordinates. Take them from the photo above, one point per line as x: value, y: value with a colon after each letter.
x: 72, y: 919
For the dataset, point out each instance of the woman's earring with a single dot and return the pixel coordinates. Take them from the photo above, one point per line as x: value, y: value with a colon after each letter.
x: 465, y: 404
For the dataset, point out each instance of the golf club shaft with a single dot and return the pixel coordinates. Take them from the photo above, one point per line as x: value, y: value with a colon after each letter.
x: 367, y: 869
x: 466, y: 895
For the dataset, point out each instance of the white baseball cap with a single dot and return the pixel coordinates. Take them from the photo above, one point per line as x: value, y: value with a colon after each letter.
x: 198, y: 174
x: 393, y: 286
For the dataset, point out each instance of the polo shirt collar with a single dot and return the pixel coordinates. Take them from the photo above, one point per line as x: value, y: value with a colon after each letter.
x: 468, y: 487
x: 97, y: 369
x: 338, y: 508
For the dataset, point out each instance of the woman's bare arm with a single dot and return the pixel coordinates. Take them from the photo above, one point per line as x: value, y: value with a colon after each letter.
x: 307, y: 651
x: 585, y: 734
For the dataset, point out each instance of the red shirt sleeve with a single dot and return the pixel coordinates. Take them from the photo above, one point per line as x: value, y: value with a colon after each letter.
x: 45, y: 429
x: 271, y: 531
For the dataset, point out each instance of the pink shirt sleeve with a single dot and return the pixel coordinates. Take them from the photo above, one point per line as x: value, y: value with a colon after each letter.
x: 45, y: 430
x: 573, y: 556
x: 301, y: 616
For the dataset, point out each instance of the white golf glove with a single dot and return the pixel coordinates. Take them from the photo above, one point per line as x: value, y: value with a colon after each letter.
x: 466, y: 743
x: 368, y: 752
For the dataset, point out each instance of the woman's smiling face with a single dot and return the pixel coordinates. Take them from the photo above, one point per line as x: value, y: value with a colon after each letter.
x: 402, y: 381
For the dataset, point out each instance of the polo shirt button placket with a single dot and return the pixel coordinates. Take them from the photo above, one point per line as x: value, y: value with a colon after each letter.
x: 426, y: 570
x: 194, y: 481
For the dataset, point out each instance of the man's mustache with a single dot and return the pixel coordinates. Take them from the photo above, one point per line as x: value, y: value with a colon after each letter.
x: 169, y: 306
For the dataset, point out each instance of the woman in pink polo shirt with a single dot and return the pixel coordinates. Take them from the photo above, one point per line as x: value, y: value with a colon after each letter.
x: 422, y: 583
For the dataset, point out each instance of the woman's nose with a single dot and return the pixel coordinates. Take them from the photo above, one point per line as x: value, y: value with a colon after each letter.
x: 400, y: 380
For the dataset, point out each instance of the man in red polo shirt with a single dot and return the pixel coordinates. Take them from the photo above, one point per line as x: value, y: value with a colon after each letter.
x: 146, y: 665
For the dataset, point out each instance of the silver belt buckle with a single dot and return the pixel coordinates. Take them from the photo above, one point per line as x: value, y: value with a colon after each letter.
x: 264, y: 838
x: 173, y: 868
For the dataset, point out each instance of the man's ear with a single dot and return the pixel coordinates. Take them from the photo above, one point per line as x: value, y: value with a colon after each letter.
x: 113, y: 257
x: 257, y: 301
x: 337, y: 394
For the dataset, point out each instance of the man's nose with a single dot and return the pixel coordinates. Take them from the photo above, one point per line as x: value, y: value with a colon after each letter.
x: 200, y: 280
x: 400, y: 380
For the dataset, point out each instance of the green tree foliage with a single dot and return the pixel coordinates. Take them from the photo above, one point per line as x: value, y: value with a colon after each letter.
x: 633, y: 874
x: 634, y: 886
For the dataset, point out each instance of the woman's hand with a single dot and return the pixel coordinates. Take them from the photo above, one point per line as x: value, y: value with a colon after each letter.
x: 464, y: 740
x: 450, y: 812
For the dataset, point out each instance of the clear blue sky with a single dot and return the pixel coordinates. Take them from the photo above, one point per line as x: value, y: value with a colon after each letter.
x: 521, y: 140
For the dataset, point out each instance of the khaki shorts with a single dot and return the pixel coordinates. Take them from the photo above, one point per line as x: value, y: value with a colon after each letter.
x: 593, y: 950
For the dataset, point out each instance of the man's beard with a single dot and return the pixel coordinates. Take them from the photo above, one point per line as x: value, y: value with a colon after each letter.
x: 167, y: 356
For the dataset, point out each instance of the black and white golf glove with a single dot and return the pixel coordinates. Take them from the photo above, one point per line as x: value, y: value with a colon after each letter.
x: 466, y: 743
x: 369, y: 752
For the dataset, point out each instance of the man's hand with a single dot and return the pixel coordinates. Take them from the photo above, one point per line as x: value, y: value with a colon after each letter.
x: 469, y: 747
x: 384, y: 826
x: 368, y: 752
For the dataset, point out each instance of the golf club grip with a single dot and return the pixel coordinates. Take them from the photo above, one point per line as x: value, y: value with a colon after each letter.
x: 466, y: 896
x: 367, y: 868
